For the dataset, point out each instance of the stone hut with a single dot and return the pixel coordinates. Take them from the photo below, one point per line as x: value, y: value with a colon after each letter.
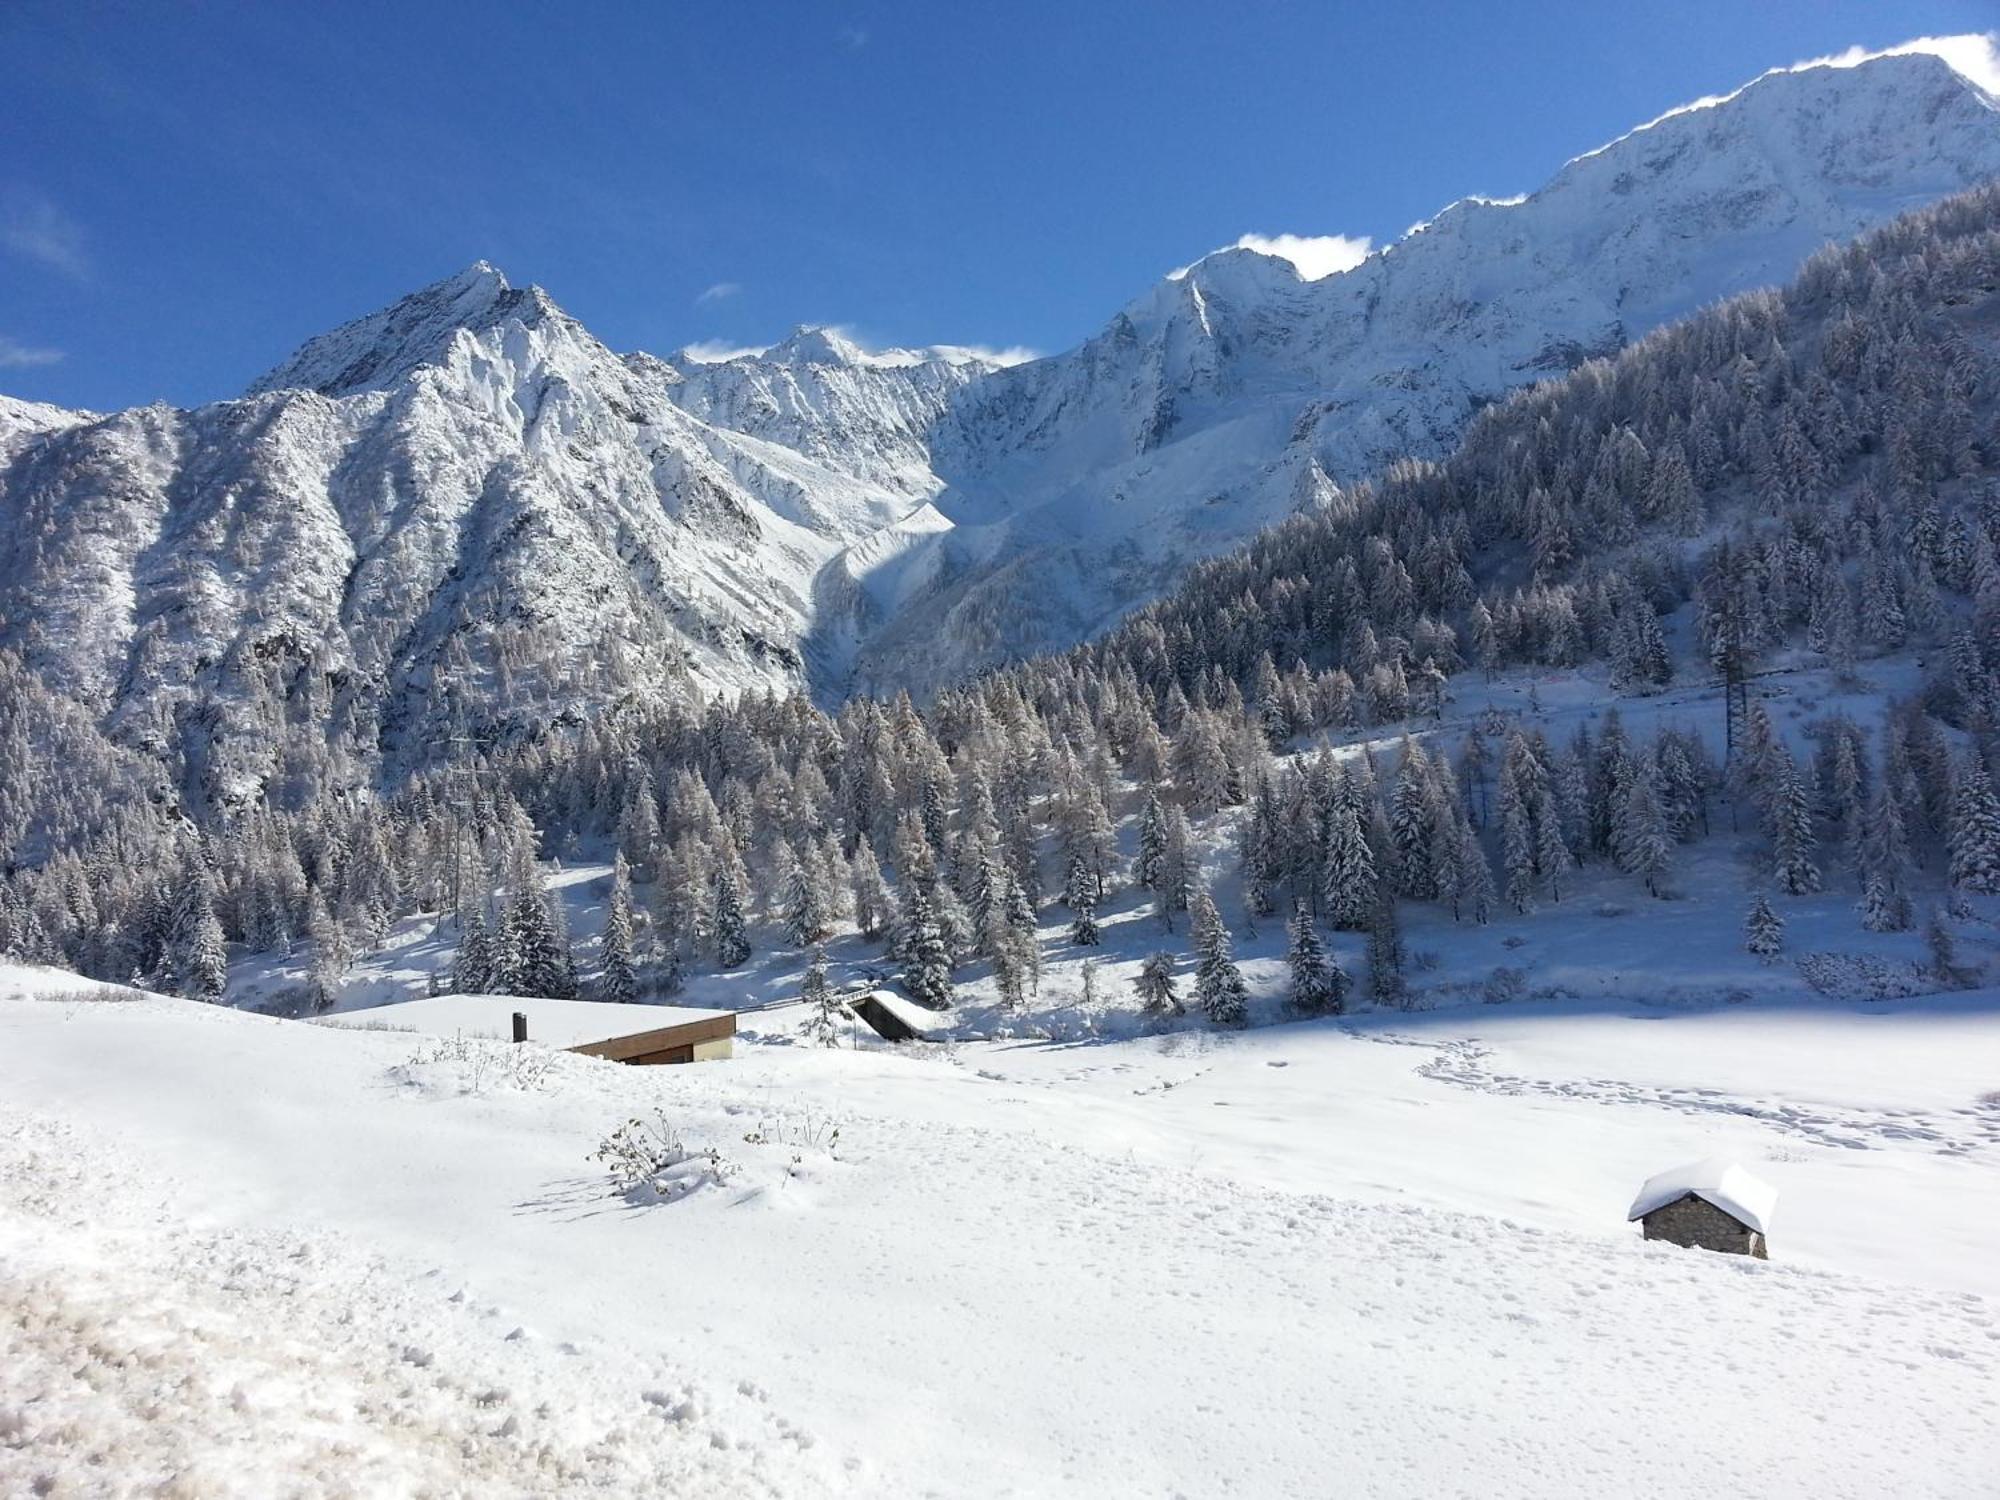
x: 1709, y: 1205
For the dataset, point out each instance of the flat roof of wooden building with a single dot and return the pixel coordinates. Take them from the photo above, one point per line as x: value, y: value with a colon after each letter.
x: 596, y: 1028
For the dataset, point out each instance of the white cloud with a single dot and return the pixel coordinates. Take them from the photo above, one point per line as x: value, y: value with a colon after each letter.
x: 1315, y: 255
x: 1312, y: 255
x: 15, y: 355
x: 722, y: 291
x: 851, y: 38
x: 34, y: 228
x: 715, y: 352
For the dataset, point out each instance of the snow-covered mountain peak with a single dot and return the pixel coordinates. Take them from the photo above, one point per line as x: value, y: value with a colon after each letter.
x: 375, y: 351
x: 808, y: 345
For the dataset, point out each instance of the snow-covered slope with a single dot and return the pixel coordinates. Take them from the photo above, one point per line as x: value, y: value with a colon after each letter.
x: 465, y: 515
x: 1381, y: 1257
x: 1236, y: 392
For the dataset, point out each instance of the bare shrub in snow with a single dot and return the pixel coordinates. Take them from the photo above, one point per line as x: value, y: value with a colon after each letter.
x: 647, y: 1160
x: 475, y: 1064
x: 96, y: 994
x: 804, y: 1135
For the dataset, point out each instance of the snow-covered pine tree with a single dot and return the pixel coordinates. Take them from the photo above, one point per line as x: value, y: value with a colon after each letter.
x: 927, y: 961
x: 1764, y: 930
x: 1791, y: 823
x: 1975, y: 830
x: 618, y: 980
x: 1640, y: 843
x: 731, y: 935
x: 1024, y: 934
x: 1177, y: 869
x: 822, y: 1022
x: 197, y: 956
x: 874, y: 905
x: 1219, y: 987
x: 1386, y: 985
x: 329, y: 953
x: 1080, y: 896
x: 1152, y: 842
x: 471, y: 961
x: 1317, y: 985
x: 533, y: 948
x: 806, y: 901
x: 1350, y: 886
x: 1941, y: 947
x: 1882, y: 907
x: 1155, y: 986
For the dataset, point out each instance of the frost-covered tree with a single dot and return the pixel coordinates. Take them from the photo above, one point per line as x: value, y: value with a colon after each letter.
x: 1640, y: 842
x: 1883, y: 908
x: 536, y: 953
x: 1386, y: 985
x: 1975, y: 831
x: 1155, y: 986
x: 1177, y: 869
x: 198, y: 961
x: 1350, y: 882
x: 926, y: 961
x: 1792, y: 835
x: 1764, y: 930
x: 330, y: 957
x: 807, y: 902
x: 822, y: 1020
x: 1318, y: 986
x: 1218, y: 984
x: 731, y: 938
x: 618, y: 979
x: 874, y: 905
x: 1080, y: 896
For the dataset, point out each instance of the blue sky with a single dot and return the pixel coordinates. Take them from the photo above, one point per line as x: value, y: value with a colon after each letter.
x: 189, y: 190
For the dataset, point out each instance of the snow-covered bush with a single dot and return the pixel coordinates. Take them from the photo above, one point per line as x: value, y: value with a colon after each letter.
x: 647, y: 1160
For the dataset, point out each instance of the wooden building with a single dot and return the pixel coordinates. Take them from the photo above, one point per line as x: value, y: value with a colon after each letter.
x: 892, y: 1017
x: 595, y: 1028
x: 1708, y: 1205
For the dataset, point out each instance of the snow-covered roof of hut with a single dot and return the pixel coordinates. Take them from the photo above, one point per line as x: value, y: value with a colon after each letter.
x: 553, y: 1023
x: 1728, y: 1185
x: 918, y: 1018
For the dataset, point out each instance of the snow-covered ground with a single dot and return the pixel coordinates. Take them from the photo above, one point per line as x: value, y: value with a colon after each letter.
x: 1378, y: 1256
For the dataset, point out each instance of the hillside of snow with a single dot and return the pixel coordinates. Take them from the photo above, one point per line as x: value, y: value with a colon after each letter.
x: 1382, y: 1256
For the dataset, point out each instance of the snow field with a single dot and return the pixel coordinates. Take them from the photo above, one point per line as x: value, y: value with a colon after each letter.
x: 149, y: 1356
x: 1290, y: 1262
